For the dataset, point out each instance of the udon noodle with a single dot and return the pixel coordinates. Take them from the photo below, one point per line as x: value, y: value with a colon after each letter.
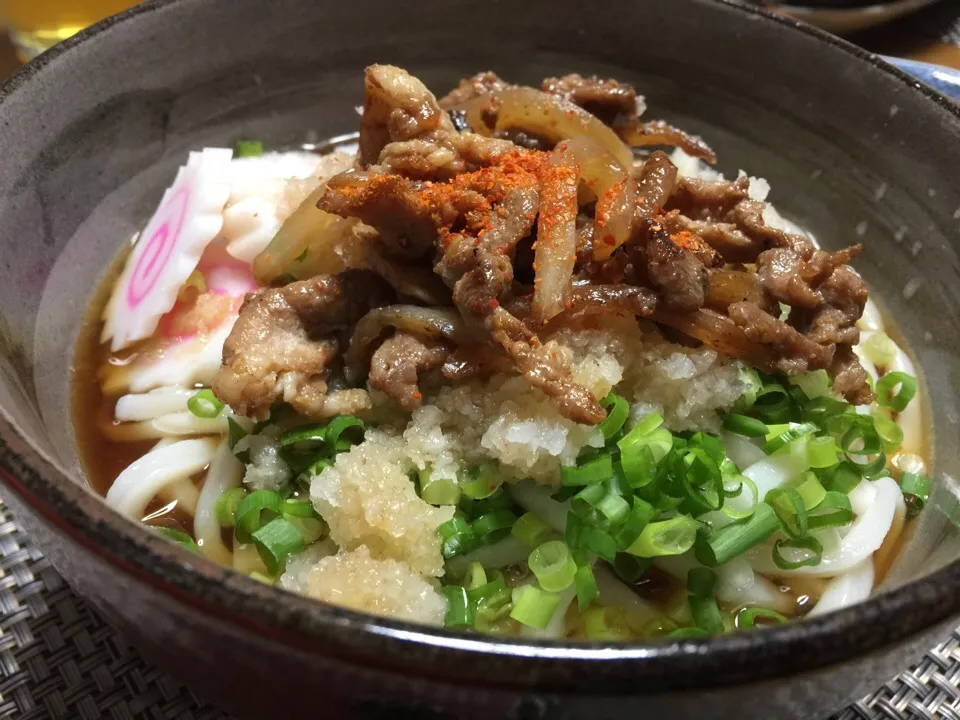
x: 507, y: 366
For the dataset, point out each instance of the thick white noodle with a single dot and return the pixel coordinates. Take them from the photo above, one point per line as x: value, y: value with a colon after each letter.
x: 614, y: 593
x: 136, y: 486
x: 225, y: 472
x: 176, y: 424
x: 536, y: 499
x: 733, y: 587
x: 772, y: 472
x: 862, y: 497
x: 184, y: 493
x: 865, y: 535
x: 847, y: 589
x: 153, y: 404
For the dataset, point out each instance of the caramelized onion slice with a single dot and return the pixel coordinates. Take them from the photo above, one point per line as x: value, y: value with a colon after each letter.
x: 726, y: 287
x: 310, y: 242
x: 545, y: 116
x: 434, y: 323
x: 556, y: 245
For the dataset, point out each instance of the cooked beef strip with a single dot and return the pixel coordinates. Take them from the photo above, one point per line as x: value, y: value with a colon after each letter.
x: 469, y: 88
x: 609, y: 100
x: 676, y: 271
x: 397, y: 363
x: 843, y: 295
x: 285, y: 340
x: 849, y: 377
x: 796, y: 353
x: 656, y: 181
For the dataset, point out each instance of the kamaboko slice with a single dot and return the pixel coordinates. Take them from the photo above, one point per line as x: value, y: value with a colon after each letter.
x: 189, y: 217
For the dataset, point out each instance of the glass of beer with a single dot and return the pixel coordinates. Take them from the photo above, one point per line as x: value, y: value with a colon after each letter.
x: 35, y: 25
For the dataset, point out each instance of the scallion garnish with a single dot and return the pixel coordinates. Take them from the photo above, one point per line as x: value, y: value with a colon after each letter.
x: 592, y: 471
x: 589, y: 538
x: 617, y: 411
x: 744, y: 425
x: 916, y: 490
x: 248, y: 149
x: 844, y: 478
x: 438, y: 491
x: 701, y: 583
x: 235, y: 433
x: 482, y: 481
x: 531, y: 530
x: 722, y: 544
x: 277, y: 540
x: 553, y: 565
x: 666, y: 537
x: 204, y: 404
x: 255, y: 510
x: 822, y: 452
x: 311, y: 529
x: 493, y: 526
x: 812, y: 555
x: 456, y: 536
x: 890, y: 397
x: 226, y: 506
x: 347, y: 428
x: 788, y: 504
x: 747, y: 618
x: 177, y: 536
x: 833, y: 511
x: 600, y: 505
x: 476, y: 576
x: 460, y: 611
x: 305, y: 437
x: 605, y: 623
x: 533, y: 607
x: 585, y: 583
x: 788, y: 436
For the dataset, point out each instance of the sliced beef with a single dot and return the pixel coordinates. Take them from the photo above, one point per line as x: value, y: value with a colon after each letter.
x: 676, y: 271
x: 472, y: 87
x: 656, y: 181
x: 795, y: 353
x: 284, y: 344
x: 611, y: 101
x: 849, y: 377
x: 398, y: 362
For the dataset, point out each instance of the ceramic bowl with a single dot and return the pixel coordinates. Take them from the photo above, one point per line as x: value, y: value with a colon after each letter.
x: 91, y: 134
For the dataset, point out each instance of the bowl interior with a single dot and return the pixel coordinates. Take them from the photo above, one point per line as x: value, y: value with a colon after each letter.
x: 852, y: 152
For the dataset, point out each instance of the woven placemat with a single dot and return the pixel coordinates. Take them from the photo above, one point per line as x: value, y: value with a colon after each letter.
x: 60, y: 661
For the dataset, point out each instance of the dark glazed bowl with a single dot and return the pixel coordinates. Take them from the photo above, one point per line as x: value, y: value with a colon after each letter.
x: 91, y: 135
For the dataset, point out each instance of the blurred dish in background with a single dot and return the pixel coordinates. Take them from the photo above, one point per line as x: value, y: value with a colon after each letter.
x: 36, y: 25
x: 845, y: 16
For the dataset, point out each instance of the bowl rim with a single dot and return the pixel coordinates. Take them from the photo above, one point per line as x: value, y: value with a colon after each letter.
x: 449, y: 656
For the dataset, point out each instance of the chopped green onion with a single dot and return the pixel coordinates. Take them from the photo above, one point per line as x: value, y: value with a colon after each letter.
x: 553, y: 565
x: 814, y: 384
x: 702, y: 581
x: 476, y: 576
x: 533, y: 607
x: 299, y: 508
x: 617, y: 414
x: 666, y: 537
x: 235, y: 433
x: 809, y: 543
x: 889, y: 397
x: 747, y: 618
x: 889, y: 431
x: 788, y: 505
x: 226, y: 506
x: 600, y: 505
x: 590, y: 472
x: 586, y: 585
x: 248, y: 148
x: 844, y: 478
x: 630, y: 568
x: 639, y: 517
x: 916, y: 490
x: 879, y: 349
x: 822, y: 452
x: 255, y: 510
x: 697, y: 471
x: 346, y: 427
x: 834, y: 511
x: 597, y: 624
x: 456, y: 536
x: 752, y: 385
x: 310, y: 466
x: 531, y: 530
x: 490, y: 599
x: 493, y: 526
x: 500, y: 500
x: 311, y: 529
x: 773, y: 403
x: 722, y: 544
x: 744, y: 425
x: 177, y: 536
x: 788, y: 436
x: 706, y: 614
x: 483, y: 481
x: 688, y: 632
x: 204, y: 404
x: 304, y: 437
x: 810, y: 491
x: 275, y: 541
x: 265, y: 579
x: 643, y: 448
x: 861, y: 437
x: 442, y: 491
x: 460, y: 612
x: 589, y: 538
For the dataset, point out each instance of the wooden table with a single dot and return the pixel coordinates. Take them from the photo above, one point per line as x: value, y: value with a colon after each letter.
x: 912, y: 37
